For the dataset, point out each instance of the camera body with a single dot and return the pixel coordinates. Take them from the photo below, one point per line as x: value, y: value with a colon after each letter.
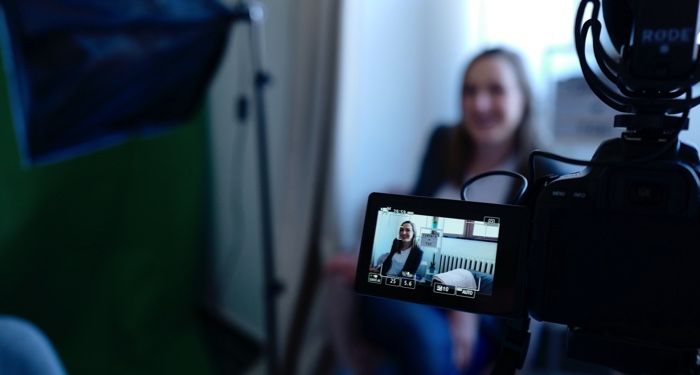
x: 614, y: 247
x: 610, y: 251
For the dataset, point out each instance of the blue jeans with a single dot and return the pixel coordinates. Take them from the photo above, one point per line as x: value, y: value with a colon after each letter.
x: 417, y: 338
x: 25, y: 350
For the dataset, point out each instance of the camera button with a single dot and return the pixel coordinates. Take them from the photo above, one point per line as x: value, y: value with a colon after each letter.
x: 465, y: 292
x: 579, y: 195
x: 444, y: 289
x: 559, y: 193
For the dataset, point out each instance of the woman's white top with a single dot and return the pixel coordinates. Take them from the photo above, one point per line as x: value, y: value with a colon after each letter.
x: 397, y: 262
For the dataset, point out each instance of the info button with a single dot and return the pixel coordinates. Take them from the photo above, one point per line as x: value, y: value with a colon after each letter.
x: 579, y: 195
x: 374, y: 278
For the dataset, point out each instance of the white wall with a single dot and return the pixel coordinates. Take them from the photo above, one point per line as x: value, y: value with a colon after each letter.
x: 401, y: 68
x: 385, y: 232
x: 692, y: 135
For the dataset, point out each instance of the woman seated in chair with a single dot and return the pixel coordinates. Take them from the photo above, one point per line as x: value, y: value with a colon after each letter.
x: 405, y: 255
x: 493, y: 133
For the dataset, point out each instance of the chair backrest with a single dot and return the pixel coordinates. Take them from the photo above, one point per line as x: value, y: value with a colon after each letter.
x: 422, y: 269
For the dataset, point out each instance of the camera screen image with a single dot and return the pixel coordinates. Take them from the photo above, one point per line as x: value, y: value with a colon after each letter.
x: 454, y: 254
x: 448, y: 255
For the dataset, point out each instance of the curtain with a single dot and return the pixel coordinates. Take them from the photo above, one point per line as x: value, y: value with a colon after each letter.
x: 300, y: 53
x: 314, y: 124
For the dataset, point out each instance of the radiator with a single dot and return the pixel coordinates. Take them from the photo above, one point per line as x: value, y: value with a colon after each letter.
x: 450, y: 262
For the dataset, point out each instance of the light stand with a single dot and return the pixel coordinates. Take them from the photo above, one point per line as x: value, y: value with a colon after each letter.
x: 253, y: 16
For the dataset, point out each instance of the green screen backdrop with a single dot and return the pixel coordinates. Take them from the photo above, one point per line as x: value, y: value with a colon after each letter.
x: 103, y: 252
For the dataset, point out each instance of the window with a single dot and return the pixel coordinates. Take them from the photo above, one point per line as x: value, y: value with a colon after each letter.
x: 483, y: 230
x: 454, y: 226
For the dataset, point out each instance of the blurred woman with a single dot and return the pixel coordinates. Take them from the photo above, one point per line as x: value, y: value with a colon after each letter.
x: 493, y: 133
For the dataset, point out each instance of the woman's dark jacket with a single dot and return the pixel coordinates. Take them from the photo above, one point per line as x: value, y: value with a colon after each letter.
x: 412, y: 262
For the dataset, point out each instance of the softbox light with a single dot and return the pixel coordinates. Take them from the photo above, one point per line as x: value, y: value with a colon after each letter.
x: 87, y: 74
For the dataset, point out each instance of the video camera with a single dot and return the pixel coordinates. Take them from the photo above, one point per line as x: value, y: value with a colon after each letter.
x: 613, y: 250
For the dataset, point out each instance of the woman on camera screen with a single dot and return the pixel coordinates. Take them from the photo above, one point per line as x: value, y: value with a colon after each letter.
x: 405, y: 255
